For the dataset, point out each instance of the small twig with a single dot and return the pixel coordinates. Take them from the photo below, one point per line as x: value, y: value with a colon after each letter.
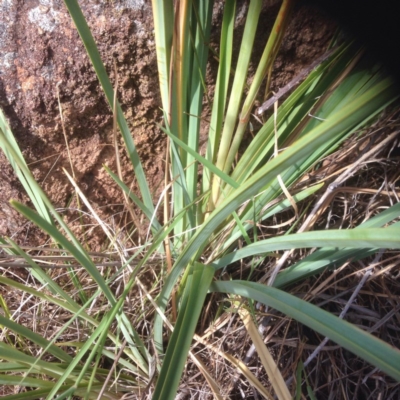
x: 64, y: 132
x: 118, y: 356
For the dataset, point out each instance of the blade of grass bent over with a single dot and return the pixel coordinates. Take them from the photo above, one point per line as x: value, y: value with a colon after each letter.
x: 352, y: 238
x: 325, y: 257
x: 361, y: 343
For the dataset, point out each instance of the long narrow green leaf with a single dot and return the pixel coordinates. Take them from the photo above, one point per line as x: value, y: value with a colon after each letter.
x: 179, y: 344
x: 14, y: 155
x: 207, y: 164
x: 91, y: 48
x: 15, y: 380
x: 48, y: 298
x: 325, y: 257
x: 39, y: 273
x: 163, y: 15
x: 30, y: 395
x: 187, y: 222
x: 361, y: 343
x: 83, y: 259
x: 45, y: 389
x: 266, y: 62
x: 221, y: 89
x: 146, y: 211
x: 9, y: 353
x: 236, y: 92
x: 201, y: 28
x: 388, y: 238
x: 35, y: 338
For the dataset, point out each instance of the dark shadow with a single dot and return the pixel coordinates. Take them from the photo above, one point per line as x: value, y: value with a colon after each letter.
x: 375, y: 24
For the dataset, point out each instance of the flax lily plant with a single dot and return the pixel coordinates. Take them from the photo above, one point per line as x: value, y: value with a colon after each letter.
x: 213, y: 200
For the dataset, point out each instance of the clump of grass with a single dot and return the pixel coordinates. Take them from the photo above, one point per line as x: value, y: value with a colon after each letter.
x: 129, y: 319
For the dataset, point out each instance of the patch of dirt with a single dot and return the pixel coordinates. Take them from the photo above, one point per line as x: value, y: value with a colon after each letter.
x: 307, y: 37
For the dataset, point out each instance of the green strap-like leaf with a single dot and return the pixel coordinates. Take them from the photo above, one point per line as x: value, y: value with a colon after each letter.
x: 388, y: 238
x: 91, y: 48
x: 81, y: 257
x: 192, y: 303
x: 35, y: 338
x: 211, y: 167
x: 14, y: 155
x: 325, y: 257
x: 361, y: 343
